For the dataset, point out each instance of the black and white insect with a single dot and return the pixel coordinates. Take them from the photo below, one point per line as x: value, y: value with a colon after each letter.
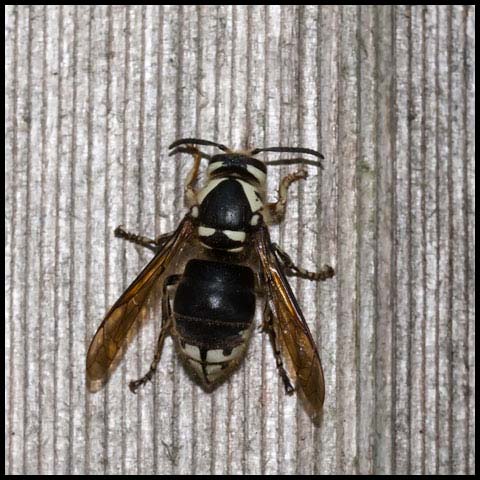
x: 211, y: 270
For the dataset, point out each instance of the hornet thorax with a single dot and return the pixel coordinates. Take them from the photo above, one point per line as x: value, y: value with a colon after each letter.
x: 229, y: 203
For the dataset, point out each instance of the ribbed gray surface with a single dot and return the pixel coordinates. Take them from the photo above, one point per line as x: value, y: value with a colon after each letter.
x: 94, y: 95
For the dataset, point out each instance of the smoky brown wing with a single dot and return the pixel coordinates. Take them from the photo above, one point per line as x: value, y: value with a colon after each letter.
x: 119, y: 325
x: 295, y: 339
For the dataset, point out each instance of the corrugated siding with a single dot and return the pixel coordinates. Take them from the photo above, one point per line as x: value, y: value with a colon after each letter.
x: 94, y: 95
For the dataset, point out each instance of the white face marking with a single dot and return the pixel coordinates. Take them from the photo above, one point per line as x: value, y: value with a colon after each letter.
x: 252, y: 197
x: 216, y: 356
x: 205, y: 231
x: 192, y: 351
x: 194, y: 211
x: 213, y: 166
x: 236, y: 235
x: 208, y: 188
x: 257, y: 173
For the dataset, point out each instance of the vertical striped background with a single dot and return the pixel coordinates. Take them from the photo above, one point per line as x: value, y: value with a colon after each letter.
x: 94, y: 95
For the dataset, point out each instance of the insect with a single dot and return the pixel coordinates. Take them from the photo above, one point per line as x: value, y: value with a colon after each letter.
x: 210, y: 270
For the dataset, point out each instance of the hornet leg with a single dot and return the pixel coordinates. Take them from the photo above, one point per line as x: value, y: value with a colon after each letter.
x: 275, y: 212
x: 151, y: 244
x: 291, y: 269
x: 166, y: 325
x: 190, y: 192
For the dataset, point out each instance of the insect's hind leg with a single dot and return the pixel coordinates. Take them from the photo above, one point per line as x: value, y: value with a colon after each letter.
x: 151, y: 244
x: 291, y: 269
x: 267, y: 327
x: 164, y: 331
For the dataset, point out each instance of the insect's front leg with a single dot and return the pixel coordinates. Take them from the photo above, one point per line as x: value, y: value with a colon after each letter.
x: 190, y: 192
x: 151, y: 244
x: 291, y: 269
x: 275, y: 212
x: 164, y: 331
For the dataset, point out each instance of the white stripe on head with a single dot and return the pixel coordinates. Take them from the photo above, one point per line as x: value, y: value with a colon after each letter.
x: 251, y: 169
x: 214, y: 166
x: 257, y: 173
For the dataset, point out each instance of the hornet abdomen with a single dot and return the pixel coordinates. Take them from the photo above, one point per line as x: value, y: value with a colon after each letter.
x: 213, y: 310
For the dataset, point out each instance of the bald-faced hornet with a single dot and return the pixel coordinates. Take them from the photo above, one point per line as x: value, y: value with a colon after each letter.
x: 210, y: 270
